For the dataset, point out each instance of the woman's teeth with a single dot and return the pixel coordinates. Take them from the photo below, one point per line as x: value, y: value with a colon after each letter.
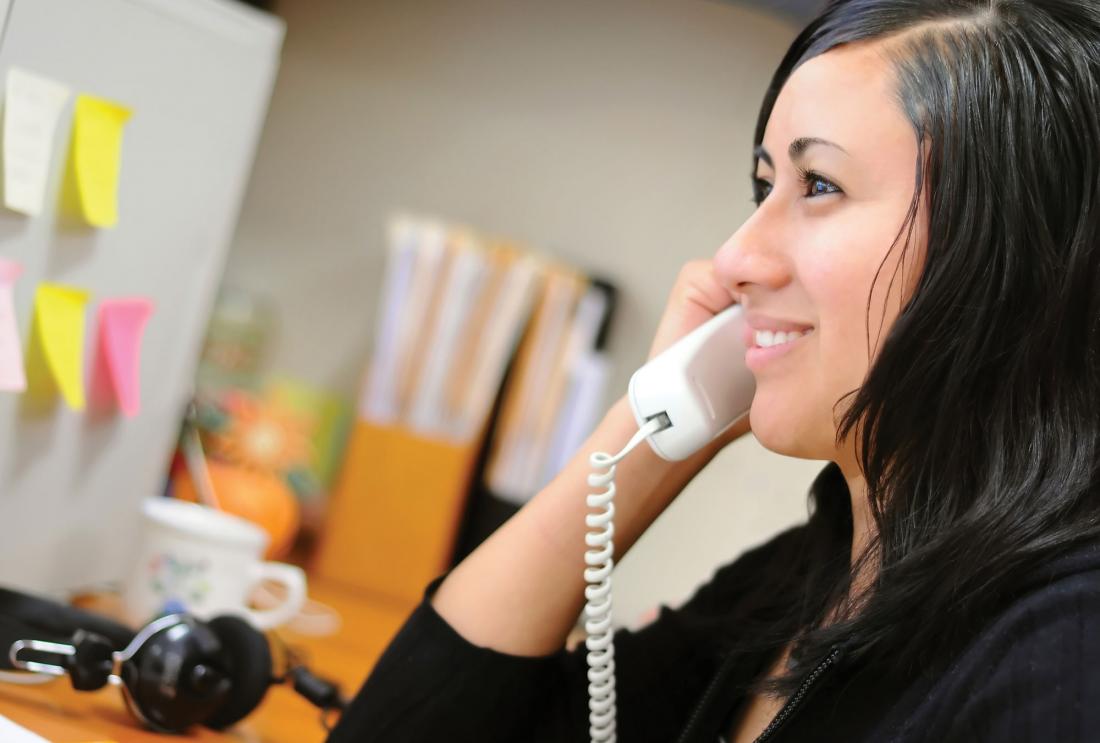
x: 766, y: 338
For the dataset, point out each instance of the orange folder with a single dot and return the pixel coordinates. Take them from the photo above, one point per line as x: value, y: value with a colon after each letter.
x: 394, y: 515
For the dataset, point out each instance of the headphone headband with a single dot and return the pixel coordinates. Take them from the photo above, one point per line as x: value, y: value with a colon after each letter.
x: 57, y: 620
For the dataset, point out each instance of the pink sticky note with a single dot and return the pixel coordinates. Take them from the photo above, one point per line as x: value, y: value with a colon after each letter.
x: 121, y: 325
x: 12, y: 376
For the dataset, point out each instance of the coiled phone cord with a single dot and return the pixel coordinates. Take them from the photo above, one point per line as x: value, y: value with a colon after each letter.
x: 597, y: 574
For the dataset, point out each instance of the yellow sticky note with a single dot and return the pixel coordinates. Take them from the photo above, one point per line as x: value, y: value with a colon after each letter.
x: 59, y: 333
x: 97, y: 156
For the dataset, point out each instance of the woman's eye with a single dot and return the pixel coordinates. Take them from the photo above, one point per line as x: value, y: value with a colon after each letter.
x: 814, y: 185
x: 760, y: 190
x: 812, y: 181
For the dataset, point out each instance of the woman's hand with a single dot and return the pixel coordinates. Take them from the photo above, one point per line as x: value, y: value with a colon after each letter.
x: 696, y: 297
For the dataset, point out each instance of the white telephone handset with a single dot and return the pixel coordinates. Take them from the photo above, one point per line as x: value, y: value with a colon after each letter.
x: 701, y: 383
x: 683, y: 398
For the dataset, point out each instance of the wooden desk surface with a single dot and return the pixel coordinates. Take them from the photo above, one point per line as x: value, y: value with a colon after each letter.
x: 59, y: 714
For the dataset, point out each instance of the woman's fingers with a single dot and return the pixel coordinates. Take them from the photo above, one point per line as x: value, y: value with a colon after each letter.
x: 696, y: 297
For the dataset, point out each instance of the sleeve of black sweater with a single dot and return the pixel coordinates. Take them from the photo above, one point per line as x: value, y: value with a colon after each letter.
x: 1034, y: 676
x: 431, y: 683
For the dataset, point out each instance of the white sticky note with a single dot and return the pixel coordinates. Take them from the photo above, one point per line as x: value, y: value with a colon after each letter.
x: 13, y: 733
x: 32, y: 108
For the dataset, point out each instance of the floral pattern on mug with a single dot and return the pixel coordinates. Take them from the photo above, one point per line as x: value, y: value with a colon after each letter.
x: 179, y: 581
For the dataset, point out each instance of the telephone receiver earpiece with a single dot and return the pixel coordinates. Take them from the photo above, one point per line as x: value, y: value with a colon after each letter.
x: 175, y: 672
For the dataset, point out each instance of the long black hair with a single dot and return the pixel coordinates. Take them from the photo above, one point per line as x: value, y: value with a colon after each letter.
x: 978, y: 424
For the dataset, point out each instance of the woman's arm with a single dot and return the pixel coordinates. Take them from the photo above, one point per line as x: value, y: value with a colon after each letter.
x: 496, y: 665
x: 521, y: 591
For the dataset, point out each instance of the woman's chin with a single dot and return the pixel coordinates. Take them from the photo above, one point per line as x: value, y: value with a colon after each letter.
x: 778, y: 430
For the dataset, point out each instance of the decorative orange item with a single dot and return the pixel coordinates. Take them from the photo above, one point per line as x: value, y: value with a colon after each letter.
x: 261, y: 497
x: 260, y: 435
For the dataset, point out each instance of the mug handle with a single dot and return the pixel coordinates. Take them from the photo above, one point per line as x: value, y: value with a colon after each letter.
x: 294, y: 579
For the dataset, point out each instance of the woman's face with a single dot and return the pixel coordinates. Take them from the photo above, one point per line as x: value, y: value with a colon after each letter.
x: 808, y: 255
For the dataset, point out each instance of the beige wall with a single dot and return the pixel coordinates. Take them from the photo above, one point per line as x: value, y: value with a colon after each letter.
x: 614, y: 134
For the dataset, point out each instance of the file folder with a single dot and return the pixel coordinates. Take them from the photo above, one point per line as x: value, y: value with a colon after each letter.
x: 395, y: 513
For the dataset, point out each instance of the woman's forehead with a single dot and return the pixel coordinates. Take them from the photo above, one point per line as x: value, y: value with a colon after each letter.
x: 846, y: 96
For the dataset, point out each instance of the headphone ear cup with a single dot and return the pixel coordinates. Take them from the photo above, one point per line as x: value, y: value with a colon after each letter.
x: 247, y: 657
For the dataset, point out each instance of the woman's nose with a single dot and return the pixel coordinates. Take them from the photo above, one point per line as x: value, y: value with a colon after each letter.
x: 752, y: 258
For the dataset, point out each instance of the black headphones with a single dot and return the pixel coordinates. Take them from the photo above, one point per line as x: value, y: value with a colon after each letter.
x: 175, y: 672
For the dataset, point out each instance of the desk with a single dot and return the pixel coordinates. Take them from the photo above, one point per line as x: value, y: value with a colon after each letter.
x: 58, y: 713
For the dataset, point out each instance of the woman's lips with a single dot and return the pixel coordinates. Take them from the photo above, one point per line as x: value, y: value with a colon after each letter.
x: 757, y: 357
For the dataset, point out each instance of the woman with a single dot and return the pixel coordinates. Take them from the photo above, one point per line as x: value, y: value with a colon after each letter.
x: 927, y: 174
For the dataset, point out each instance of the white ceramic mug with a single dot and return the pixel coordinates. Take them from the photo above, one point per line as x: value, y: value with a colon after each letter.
x: 205, y: 562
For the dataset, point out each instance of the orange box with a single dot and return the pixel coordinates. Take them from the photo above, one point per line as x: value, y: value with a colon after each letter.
x: 394, y: 515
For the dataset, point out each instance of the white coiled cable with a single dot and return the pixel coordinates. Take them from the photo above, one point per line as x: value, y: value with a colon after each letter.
x: 600, y: 561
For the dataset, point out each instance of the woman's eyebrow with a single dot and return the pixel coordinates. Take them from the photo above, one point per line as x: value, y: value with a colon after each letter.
x: 797, y: 150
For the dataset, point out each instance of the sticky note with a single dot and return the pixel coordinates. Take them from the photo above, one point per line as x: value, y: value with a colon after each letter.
x: 97, y: 157
x: 12, y: 377
x: 59, y: 333
x: 32, y: 109
x: 121, y: 326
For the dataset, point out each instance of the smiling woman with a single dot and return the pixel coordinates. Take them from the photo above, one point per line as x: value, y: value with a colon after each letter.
x: 922, y: 282
x: 967, y: 434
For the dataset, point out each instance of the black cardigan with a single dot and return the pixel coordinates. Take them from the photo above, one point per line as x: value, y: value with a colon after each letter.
x: 1032, y: 674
